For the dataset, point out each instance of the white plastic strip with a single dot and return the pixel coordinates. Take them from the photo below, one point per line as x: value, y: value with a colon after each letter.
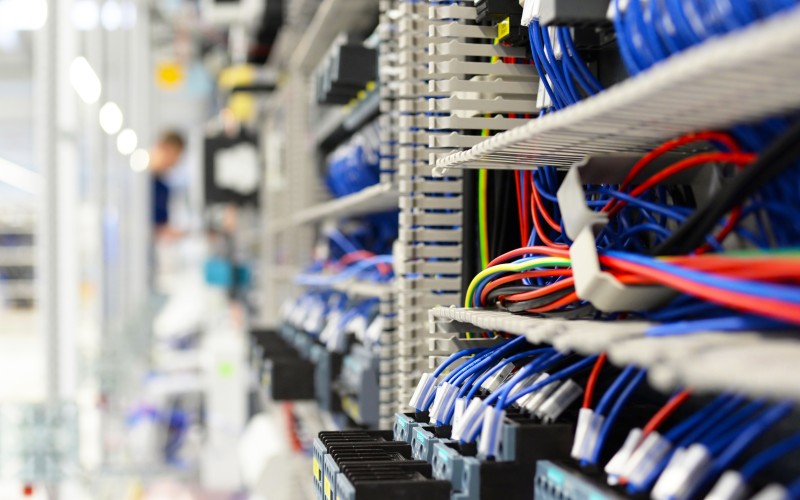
x: 702, y: 88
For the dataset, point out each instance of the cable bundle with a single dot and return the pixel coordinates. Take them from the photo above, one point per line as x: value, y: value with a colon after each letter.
x: 356, y: 164
x: 649, y: 31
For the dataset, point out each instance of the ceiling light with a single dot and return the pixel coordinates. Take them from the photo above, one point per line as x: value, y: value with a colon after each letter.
x: 19, y: 177
x: 85, y: 81
x: 111, y: 15
x: 140, y: 160
x: 127, y: 141
x: 22, y: 15
x: 110, y: 118
x: 85, y: 15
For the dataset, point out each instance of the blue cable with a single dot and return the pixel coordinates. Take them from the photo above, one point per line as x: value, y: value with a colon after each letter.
x: 696, y: 418
x: 525, y: 372
x: 764, y: 459
x: 793, y: 489
x: 705, y: 426
x: 539, y: 67
x: 592, y: 84
x: 504, y: 402
x: 723, y: 324
x: 612, y: 415
x: 489, y: 357
x: 473, y: 390
x: 771, y: 291
x: 454, y: 357
x: 742, y: 441
x: 730, y: 423
x: 611, y: 392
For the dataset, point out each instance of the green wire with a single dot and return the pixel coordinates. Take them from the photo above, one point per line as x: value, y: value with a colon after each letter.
x: 483, y: 229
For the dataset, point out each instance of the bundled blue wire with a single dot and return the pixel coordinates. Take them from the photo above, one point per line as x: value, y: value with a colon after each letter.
x: 769, y: 456
x: 622, y: 400
x: 740, y: 441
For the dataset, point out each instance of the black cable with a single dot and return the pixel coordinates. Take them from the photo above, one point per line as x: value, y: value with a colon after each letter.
x: 537, y: 302
x: 778, y: 157
x: 470, y: 262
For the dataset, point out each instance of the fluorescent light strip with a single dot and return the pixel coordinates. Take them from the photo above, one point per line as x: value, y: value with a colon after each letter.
x: 19, y: 177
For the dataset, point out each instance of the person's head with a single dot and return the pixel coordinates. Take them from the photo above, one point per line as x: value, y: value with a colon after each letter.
x: 166, y: 153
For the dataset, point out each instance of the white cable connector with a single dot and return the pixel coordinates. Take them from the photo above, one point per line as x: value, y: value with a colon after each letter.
x: 557, y: 50
x: 772, y: 492
x: 531, y: 10
x: 677, y: 482
x: 543, y: 100
x: 423, y: 391
x: 529, y: 381
x: 472, y: 420
x: 559, y: 401
x: 489, y: 445
x: 492, y: 383
x: 331, y: 327
x: 646, y: 458
x: 458, y: 415
x: 616, y: 466
x: 731, y: 486
x: 589, y: 425
x: 448, y: 401
x: 438, y: 400
x: 537, y: 398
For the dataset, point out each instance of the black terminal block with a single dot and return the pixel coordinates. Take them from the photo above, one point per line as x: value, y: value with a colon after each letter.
x: 289, y: 379
x: 398, y: 481
x: 494, y: 11
x: 574, y: 13
x: 345, y: 71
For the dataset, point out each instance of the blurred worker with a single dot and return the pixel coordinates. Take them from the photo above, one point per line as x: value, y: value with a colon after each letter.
x: 164, y: 155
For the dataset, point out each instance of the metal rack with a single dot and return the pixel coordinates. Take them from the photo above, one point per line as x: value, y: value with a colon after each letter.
x: 703, y: 88
x: 709, y: 362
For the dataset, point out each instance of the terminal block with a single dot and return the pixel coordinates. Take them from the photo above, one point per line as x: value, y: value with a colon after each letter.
x: 327, y: 443
x: 401, y: 481
x: 555, y: 481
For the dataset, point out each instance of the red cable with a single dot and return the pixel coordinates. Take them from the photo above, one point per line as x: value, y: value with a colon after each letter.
x: 666, y: 411
x: 534, y: 250
x: 537, y: 201
x: 729, y: 226
x: 540, y: 231
x: 558, y: 304
x: 767, y: 307
x: 592, y: 382
x: 527, y: 179
x: 359, y: 255
x: 723, y: 138
x: 541, y: 292
x: 293, y: 437
x: 520, y: 276
x: 520, y: 207
x: 701, y: 159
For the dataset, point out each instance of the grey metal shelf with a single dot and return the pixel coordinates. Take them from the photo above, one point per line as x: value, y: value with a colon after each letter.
x: 377, y: 198
x: 704, y: 88
x: 706, y: 361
